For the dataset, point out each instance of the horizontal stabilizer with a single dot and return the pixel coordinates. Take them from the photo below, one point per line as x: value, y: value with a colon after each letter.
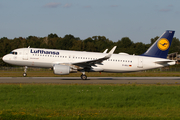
x: 165, y: 61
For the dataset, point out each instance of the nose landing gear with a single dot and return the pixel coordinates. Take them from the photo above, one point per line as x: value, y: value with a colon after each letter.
x: 25, y: 70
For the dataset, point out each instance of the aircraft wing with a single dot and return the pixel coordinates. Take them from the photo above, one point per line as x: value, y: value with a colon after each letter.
x: 96, y: 61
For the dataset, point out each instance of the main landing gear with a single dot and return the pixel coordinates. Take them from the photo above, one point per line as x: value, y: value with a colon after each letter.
x: 83, y: 76
x: 25, y: 70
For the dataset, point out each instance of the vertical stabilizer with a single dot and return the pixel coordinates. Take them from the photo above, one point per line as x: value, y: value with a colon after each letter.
x: 161, y: 47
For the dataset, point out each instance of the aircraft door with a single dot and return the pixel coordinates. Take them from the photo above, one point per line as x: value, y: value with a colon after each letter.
x: 25, y: 54
x: 140, y: 63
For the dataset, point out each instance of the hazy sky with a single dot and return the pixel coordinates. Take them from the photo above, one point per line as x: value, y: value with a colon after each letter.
x: 140, y: 20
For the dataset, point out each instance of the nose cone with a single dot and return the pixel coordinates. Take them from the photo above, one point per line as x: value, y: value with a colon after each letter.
x: 5, y: 58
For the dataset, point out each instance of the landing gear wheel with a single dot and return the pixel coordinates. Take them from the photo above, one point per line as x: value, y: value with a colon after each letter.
x: 24, y: 74
x: 83, y: 77
x: 25, y: 70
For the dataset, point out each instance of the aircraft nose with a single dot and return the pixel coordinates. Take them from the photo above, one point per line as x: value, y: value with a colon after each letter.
x: 5, y: 58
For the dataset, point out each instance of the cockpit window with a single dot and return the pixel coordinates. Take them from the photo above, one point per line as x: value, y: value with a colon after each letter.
x: 14, y: 53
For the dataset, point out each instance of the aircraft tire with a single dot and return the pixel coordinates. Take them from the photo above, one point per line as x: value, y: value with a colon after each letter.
x: 24, y: 74
x: 83, y: 77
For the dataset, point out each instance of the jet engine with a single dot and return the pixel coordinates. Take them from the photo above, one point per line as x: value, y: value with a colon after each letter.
x: 63, y: 69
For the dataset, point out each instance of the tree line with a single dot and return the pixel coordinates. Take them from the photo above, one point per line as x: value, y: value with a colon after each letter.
x: 69, y: 42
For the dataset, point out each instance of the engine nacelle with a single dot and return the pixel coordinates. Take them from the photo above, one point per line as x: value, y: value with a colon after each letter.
x: 61, y: 69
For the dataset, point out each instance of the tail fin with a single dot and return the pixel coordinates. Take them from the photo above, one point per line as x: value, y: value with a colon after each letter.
x: 161, y: 47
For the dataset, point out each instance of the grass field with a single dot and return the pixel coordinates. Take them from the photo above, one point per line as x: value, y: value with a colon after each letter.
x: 94, y: 102
x: 100, y: 102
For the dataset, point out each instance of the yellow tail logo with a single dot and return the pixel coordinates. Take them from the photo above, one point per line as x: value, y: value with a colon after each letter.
x: 163, y: 44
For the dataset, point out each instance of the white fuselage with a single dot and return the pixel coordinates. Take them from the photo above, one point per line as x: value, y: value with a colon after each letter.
x: 37, y: 57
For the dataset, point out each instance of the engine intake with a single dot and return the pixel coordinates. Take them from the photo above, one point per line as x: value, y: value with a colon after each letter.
x: 61, y: 69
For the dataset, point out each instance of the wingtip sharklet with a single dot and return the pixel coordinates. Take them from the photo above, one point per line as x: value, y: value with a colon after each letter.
x: 105, y: 51
x: 111, y: 52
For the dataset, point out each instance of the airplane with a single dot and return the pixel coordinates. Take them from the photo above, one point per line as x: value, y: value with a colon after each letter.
x: 65, y: 61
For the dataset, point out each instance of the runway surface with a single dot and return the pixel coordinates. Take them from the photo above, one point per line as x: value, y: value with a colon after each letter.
x: 93, y: 80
